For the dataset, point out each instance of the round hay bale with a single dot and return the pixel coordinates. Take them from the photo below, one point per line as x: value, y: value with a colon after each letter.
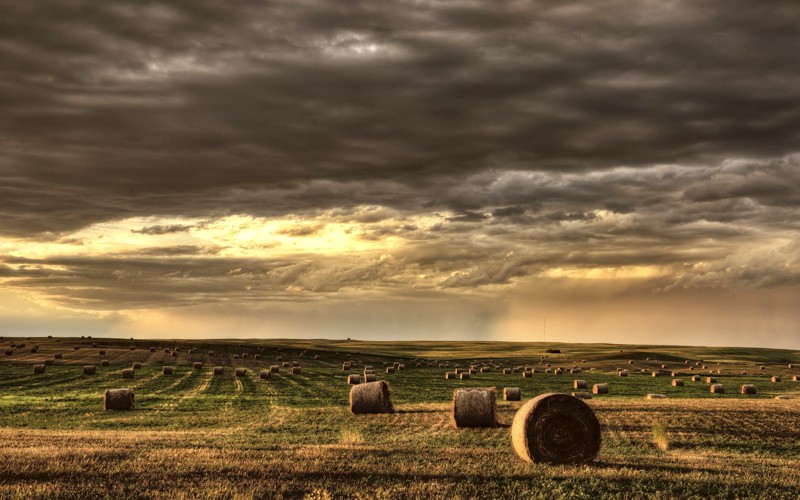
x: 77, y: 348
x: 600, y: 389
x: 677, y: 382
x: 748, y: 389
x: 240, y: 372
x: 655, y: 396
x: 118, y: 399
x: 152, y: 349
x: 390, y: 369
x: 579, y: 384
x: 506, y: 371
x: 197, y: 365
x: 695, y: 378
x: 9, y: 352
x: 370, y: 398
x: 264, y: 374
x: 370, y: 377
x: 275, y: 368
x: 137, y: 366
x: 512, y: 394
x: 219, y: 370
x: 656, y: 373
x: 558, y: 371
x: 133, y: 348
x: 354, y: 379
x: 127, y: 373
x: 89, y: 370
x: 623, y: 373
x: 38, y: 369
x: 464, y: 376
x: 345, y: 367
x: 296, y: 370
x: 556, y: 429
x: 450, y: 375
x: 101, y: 353
x: 527, y: 374
x: 104, y: 362
x: 795, y: 378
x: 775, y: 379
x: 581, y: 395
x: 49, y: 362
x: 167, y: 370
x: 174, y: 353
x: 717, y: 389
x: 474, y: 407
x: 285, y: 364
x: 711, y: 380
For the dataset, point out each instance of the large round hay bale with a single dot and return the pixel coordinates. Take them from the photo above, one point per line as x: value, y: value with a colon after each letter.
x: 579, y: 384
x: 623, y: 373
x: 474, y: 407
x: 370, y: 398
x: 240, y: 372
x: 775, y: 379
x: 354, y: 379
x: 711, y: 380
x: 581, y: 395
x: 370, y: 377
x: 137, y: 366
x: 275, y: 368
x: 512, y: 394
x: 38, y: 368
x: 127, y: 373
x: 390, y: 369
x: 527, y: 374
x: 695, y: 378
x: 748, y: 389
x: 795, y: 378
x: 197, y: 365
x: 49, y: 362
x: 219, y: 370
x: 450, y: 375
x: 464, y: 375
x: 655, y: 396
x: 556, y: 428
x: 285, y: 364
x: 167, y: 370
x: 132, y: 348
x: 264, y: 374
x: 506, y: 371
x: 58, y: 355
x: 677, y: 382
x: 296, y: 370
x: 89, y: 370
x: 717, y: 389
x: 104, y: 362
x: 118, y: 399
x: 600, y: 389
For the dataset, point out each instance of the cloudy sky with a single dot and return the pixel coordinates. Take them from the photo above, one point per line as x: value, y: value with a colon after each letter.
x: 628, y: 171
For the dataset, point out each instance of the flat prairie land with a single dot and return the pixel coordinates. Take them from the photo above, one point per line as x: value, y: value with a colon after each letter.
x: 196, y: 435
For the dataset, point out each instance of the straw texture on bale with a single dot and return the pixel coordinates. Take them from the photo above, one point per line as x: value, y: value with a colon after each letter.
x: 371, y: 398
x: 167, y: 370
x: 579, y: 384
x: 240, y: 372
x: 677, y: 382
x: 475, y: 407
x: 38, y: 368
x: 600, y: 389
x: 264, y: 374
x: 556, y: 429
x: 127, y: 373
x: 354, y: 379
x: 718, y: 389
x: 748, y: 389
x: 655, y: 396
x: 512, y: 394
x: 118, y: 399
x: 219, y: 370
x: 89, y: 370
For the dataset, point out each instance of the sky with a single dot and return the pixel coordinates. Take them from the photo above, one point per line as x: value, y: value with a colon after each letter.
x: 604, y: 171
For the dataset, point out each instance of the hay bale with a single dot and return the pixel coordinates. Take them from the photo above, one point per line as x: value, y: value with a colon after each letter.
x: 579, y: 384
x: 197, y: 365
x: 474, y: 407
x: 38, y: 369
x: 285, y: 364
x: 127, y: 373
x: 101, y: 353
x: 656, y: 373
x: 600, y: 389
x: 677, y: 382
x: 219, y: 370
x: 795, y: 378
x: 581, y: 395
x: 9, y: 352
x: 152, y: 349
x: 390, y: 369
x: 275, y: 368
x: 557, y: 429
x: 240, y: 372
x: 133, y: 348
x: 167, y: 370
x: 89, y: 370
x: 711, y: 380
x: 104, y: 362
x: 137, y: 366
x: 296, y: 370
x: 49, y: 362
x: 695, y: 378
x: 450, y: 375
x: 717, y: 389
x: 464, y: 376
x: 775, y: 379
x: 655, y: 396
x: 370, y: 398
x: 264, y: 374
x: 174, y: 353
x: 623, y: 373
x: 118, y: 399
x: 77, y: 348
x: 354, y: 379
x: 370, y: 377
x: 748, y: 389
x: 506, y: 371
x: 527, y: 374
x: 512, y: 394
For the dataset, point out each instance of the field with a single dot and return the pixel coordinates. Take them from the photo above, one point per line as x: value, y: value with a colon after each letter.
x: 195, y: 435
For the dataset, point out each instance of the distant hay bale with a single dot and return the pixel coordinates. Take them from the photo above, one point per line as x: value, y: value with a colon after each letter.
x: 370, y: 398
x: 264, y: 374
x: 512, y: 394
x: 450, y: 375
x: 174, y: 353
x: 655, y: 396
x: 49, y: 362
x: 127, y: 373
x: 316, y: 357
x: 556, y: 429
x: 390, y: 369
x: 285, y: 364
x: 167, y: 350
x: 275, y: 368
x: 506, y: 371
x: 579, y: 384
x: 600, y: 389
x: 152, y: 349
x: 711, y: 380
x: 717, y: 389
x: 695, y: 378
x: 240, y: 372
x: 656, y: 373
x: 677, y: 382
x: 77, y: 348
x: 256, y: 356
x: 464, y: 375
x: 748, y: 389
x: 296, y: 370
x: 9, y: 352
x: 558, y: 371
x: 345, y: 367
x: 354, y: 379
x: 137, y: 366
x: 474, y: 407
x: 235, y: 356
x: 58, y: 355
x: 775, y: 379
x: 370, y: 377
x: 118, y: 399
x: 244, y: 355
x: 101, y: 353
x: 485, y: 369
x: 623, y: 373
x: 219, y: 370
x: 472, y: 371
x: 581, y: 395
x: 34, y: 349
x: 527, y: 374
x: 104, y: 362
x: 675, y: 374
x: 89, y: 370
x: 168, y: 370
x: 795, y: 378
x: 38, y: 368
x: 210, y: 353
x: 133, y: 348
x: 197, y: 365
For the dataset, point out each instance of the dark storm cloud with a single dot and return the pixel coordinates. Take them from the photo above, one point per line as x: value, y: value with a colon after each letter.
x: 162, y: 229
x: 201, y: 108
